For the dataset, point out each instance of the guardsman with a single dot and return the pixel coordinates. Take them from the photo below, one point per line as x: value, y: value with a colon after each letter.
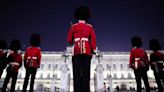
x: 3, y: 54
x: 14, y: 60
x: 157, y: 63
x: 139, y: 63
x: 32, y: 59
x: 82, y: 36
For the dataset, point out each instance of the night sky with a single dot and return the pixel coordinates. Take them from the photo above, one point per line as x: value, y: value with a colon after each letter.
x: 115, y: 21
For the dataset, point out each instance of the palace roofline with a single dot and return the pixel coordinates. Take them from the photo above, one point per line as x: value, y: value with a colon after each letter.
x: 102, y: 52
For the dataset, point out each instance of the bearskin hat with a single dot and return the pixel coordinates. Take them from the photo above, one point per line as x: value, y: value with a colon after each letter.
x: 136, y: 42
x: 15, y: 45
x: 35, y: 40
x: 82, y: 13
x: 154, y: 45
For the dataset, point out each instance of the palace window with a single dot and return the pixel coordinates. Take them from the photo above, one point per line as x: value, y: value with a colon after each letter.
x: 121, y: 67
x: 49, y: 66
x: 114, y: 66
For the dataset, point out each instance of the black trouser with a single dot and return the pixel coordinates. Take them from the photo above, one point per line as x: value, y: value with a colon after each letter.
x: 81, y: 72
x: 140, y: 73
x: 159, y: 77
x: 2, y: 66
x: 13, y: 75
x: 1, y: 71
x: 29, y: 71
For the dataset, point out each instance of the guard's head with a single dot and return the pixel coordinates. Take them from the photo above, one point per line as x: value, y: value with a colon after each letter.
x: 15, y: 45
x: 3, y: 44
x: 154, y: 45
x: 35, y: 40
x: 82, y: 13
x: 136, y: 42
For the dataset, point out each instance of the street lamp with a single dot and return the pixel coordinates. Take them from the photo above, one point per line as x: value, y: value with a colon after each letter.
x: 65, y: 56
x: 64, y: 74
x: 99, y: 78
x: 99, y: 56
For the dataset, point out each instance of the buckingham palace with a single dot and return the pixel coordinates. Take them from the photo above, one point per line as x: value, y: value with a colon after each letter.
x: 115, y: 71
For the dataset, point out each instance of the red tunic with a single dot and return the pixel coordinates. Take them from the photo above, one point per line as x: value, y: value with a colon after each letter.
x: 157, y: 57
x: 3, y: 54
x: 15, y: 60
x: 138, y: 58
x: 32, y: 57
x: 83, y: 37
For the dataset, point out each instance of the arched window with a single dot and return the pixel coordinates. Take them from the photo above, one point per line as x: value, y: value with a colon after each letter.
x: 129, y: 76
x: 115, y: 76
x: 42, y: 66
x: 49, y: 66
x: 122, y: 76
x: 48, y: 76
x: 41, y: 75
x: 40, y: 87
x: 121, y: 67
x: 114, y: 66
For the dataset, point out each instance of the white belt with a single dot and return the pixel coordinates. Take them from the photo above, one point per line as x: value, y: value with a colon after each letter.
x: 159, y: 61
x: 136, y: 59
x: 82, y: 39
x: 14, y: 63
x: 3, y: 50
x: 31, y: 57
x: 76, y: 39
x: 81, y: 44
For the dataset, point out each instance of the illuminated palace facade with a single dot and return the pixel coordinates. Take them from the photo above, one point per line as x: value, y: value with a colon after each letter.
x: 114, y: 63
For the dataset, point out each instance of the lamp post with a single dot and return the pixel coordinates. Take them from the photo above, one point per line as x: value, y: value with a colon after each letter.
x: 99, y: 78
x: 99, y: 56
x: 64, y: 74
x: 65, y: 56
